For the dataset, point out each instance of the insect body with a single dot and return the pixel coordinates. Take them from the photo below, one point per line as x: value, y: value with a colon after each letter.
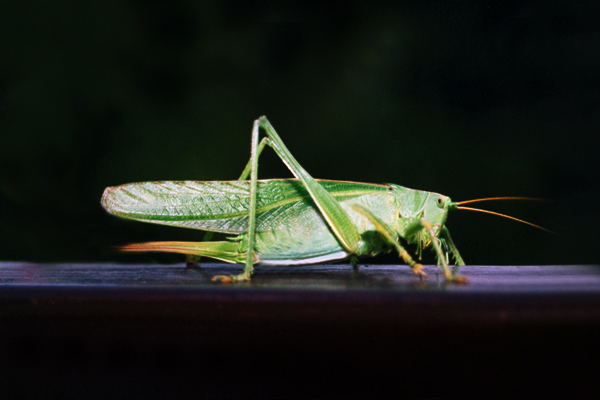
x: 289, y: 221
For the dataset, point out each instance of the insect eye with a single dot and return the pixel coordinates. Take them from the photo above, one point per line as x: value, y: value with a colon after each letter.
x: 439, y: 201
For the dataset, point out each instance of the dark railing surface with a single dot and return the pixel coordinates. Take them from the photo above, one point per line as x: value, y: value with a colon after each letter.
x: 319, y: 331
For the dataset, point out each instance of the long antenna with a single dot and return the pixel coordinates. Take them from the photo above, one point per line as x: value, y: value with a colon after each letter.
x: 502, y: 215
x: 500, y: 198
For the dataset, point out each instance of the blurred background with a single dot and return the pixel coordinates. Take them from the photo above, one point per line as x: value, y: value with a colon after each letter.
x: 468, y: 99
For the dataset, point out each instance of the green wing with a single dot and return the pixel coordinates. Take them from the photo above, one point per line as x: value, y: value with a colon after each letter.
x: 221, y: 206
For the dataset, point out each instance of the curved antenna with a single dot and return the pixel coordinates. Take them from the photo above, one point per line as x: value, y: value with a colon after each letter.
x: 501, y: 198
x: 505, y: 216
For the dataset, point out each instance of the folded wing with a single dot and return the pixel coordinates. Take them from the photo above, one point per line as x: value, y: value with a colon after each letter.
x: 219, y: 206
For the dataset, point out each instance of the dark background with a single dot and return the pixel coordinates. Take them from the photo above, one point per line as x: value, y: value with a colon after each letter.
x: 468, y: 99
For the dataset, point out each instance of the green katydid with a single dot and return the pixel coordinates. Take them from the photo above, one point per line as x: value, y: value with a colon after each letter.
x: 292, y: 221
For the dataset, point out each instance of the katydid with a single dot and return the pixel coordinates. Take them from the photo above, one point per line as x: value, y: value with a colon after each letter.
x: 292, y: 221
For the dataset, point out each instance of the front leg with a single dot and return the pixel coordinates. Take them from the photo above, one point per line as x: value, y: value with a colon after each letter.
x: 440, y: 254
x: 445, y: 233
x: 390, y: 237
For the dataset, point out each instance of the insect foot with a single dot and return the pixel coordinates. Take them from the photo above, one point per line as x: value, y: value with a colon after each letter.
x: 461, y: 280
x: 418, y: 270
x: 231, y: 278
x: 192, y: 261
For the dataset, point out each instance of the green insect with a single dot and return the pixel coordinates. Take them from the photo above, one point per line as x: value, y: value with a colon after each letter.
x: 292, y: 221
